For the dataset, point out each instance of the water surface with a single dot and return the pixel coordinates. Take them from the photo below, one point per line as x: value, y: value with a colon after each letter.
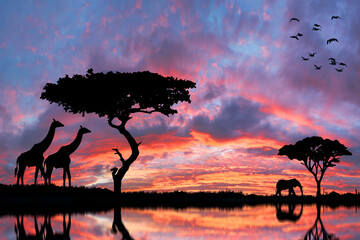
x: 248, y: 222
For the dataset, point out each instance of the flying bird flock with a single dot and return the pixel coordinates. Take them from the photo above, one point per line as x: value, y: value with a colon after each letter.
x: 317, y: 27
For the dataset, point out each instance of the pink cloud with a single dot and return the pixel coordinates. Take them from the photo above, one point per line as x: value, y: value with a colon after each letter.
x: 138, y: 4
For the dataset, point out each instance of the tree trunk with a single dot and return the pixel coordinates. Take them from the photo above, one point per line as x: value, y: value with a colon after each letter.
x: 117, y: 184
x: 318, y: 192
x: 119, y: 175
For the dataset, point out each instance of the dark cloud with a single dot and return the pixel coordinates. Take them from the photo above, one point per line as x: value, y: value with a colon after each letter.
x: 157, y: 126
x: 260, y: 151
x: 236, y: 117
x: 145, y: 159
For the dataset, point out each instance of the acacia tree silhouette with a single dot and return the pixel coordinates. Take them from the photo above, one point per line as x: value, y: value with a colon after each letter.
x: 316, y: 154
x: 117, y: 96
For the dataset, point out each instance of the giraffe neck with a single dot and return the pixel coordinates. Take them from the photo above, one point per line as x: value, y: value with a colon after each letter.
x: 45, y: 143
x: 70, y: 148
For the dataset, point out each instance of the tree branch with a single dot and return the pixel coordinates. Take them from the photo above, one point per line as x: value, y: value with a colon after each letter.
x: 310, y: 170
x: 118, y: 153
x: 123, y: 121
x: 135, y: 110
x: 110, y: 119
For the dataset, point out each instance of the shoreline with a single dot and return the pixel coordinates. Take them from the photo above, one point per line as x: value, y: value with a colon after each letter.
x: 22, y: 198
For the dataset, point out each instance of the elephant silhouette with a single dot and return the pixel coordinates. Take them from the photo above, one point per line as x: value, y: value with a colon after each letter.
x: 288, y: 184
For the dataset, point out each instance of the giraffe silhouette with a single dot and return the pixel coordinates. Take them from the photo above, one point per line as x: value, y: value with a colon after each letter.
x: 61, y: 159
x: 35, y: 156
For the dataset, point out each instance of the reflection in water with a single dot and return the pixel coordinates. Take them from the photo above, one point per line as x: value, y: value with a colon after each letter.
x: 118, y: 225
x: 46, y: 230
x: 289, y: 215
x: 20, y: 231
x: 317, y: 231
x: 65, y: 234
x: 249, y: 222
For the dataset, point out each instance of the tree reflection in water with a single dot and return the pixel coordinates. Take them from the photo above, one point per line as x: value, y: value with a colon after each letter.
x: 318, y: 231
x: 118, y: 225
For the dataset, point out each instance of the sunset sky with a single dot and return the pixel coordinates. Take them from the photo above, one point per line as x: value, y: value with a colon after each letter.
x: 254, y: 92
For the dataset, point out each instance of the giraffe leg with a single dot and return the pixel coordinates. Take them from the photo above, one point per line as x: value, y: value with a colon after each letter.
x: 36, y: 174
x: 69, y: 176
x: 64, y: 177
x: 43, y: 173
x: 49, y: 170
x: 18, y: 177
x: 20, y: 174
x: 67, y: 172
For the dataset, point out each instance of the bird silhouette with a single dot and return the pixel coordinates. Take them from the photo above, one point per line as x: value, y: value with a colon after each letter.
x: 343, y: 64
x: 332, y: 61
x: 317, y: 25
x: 312, y: 54
x: 316, y: 29
x: 299, y: 35
x: 294, y: 37
x: 317, y: 67
x: 294, y: 19
x: 335, y: 17
x: 339, y: 70
x: 305, y: 59
x: 331, y: 40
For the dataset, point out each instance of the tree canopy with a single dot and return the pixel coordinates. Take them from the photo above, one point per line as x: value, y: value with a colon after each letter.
x: 316, y: 153
x: 117, y: 95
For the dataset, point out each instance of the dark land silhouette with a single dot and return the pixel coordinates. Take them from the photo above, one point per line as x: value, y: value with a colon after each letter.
x: 14, y: 198
x: 35, y: 156
x: 61, y: 159
x: 117, y: 96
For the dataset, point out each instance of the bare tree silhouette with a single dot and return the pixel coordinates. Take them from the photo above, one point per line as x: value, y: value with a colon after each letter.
x: 118, y: 96
x: 316, y: 154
